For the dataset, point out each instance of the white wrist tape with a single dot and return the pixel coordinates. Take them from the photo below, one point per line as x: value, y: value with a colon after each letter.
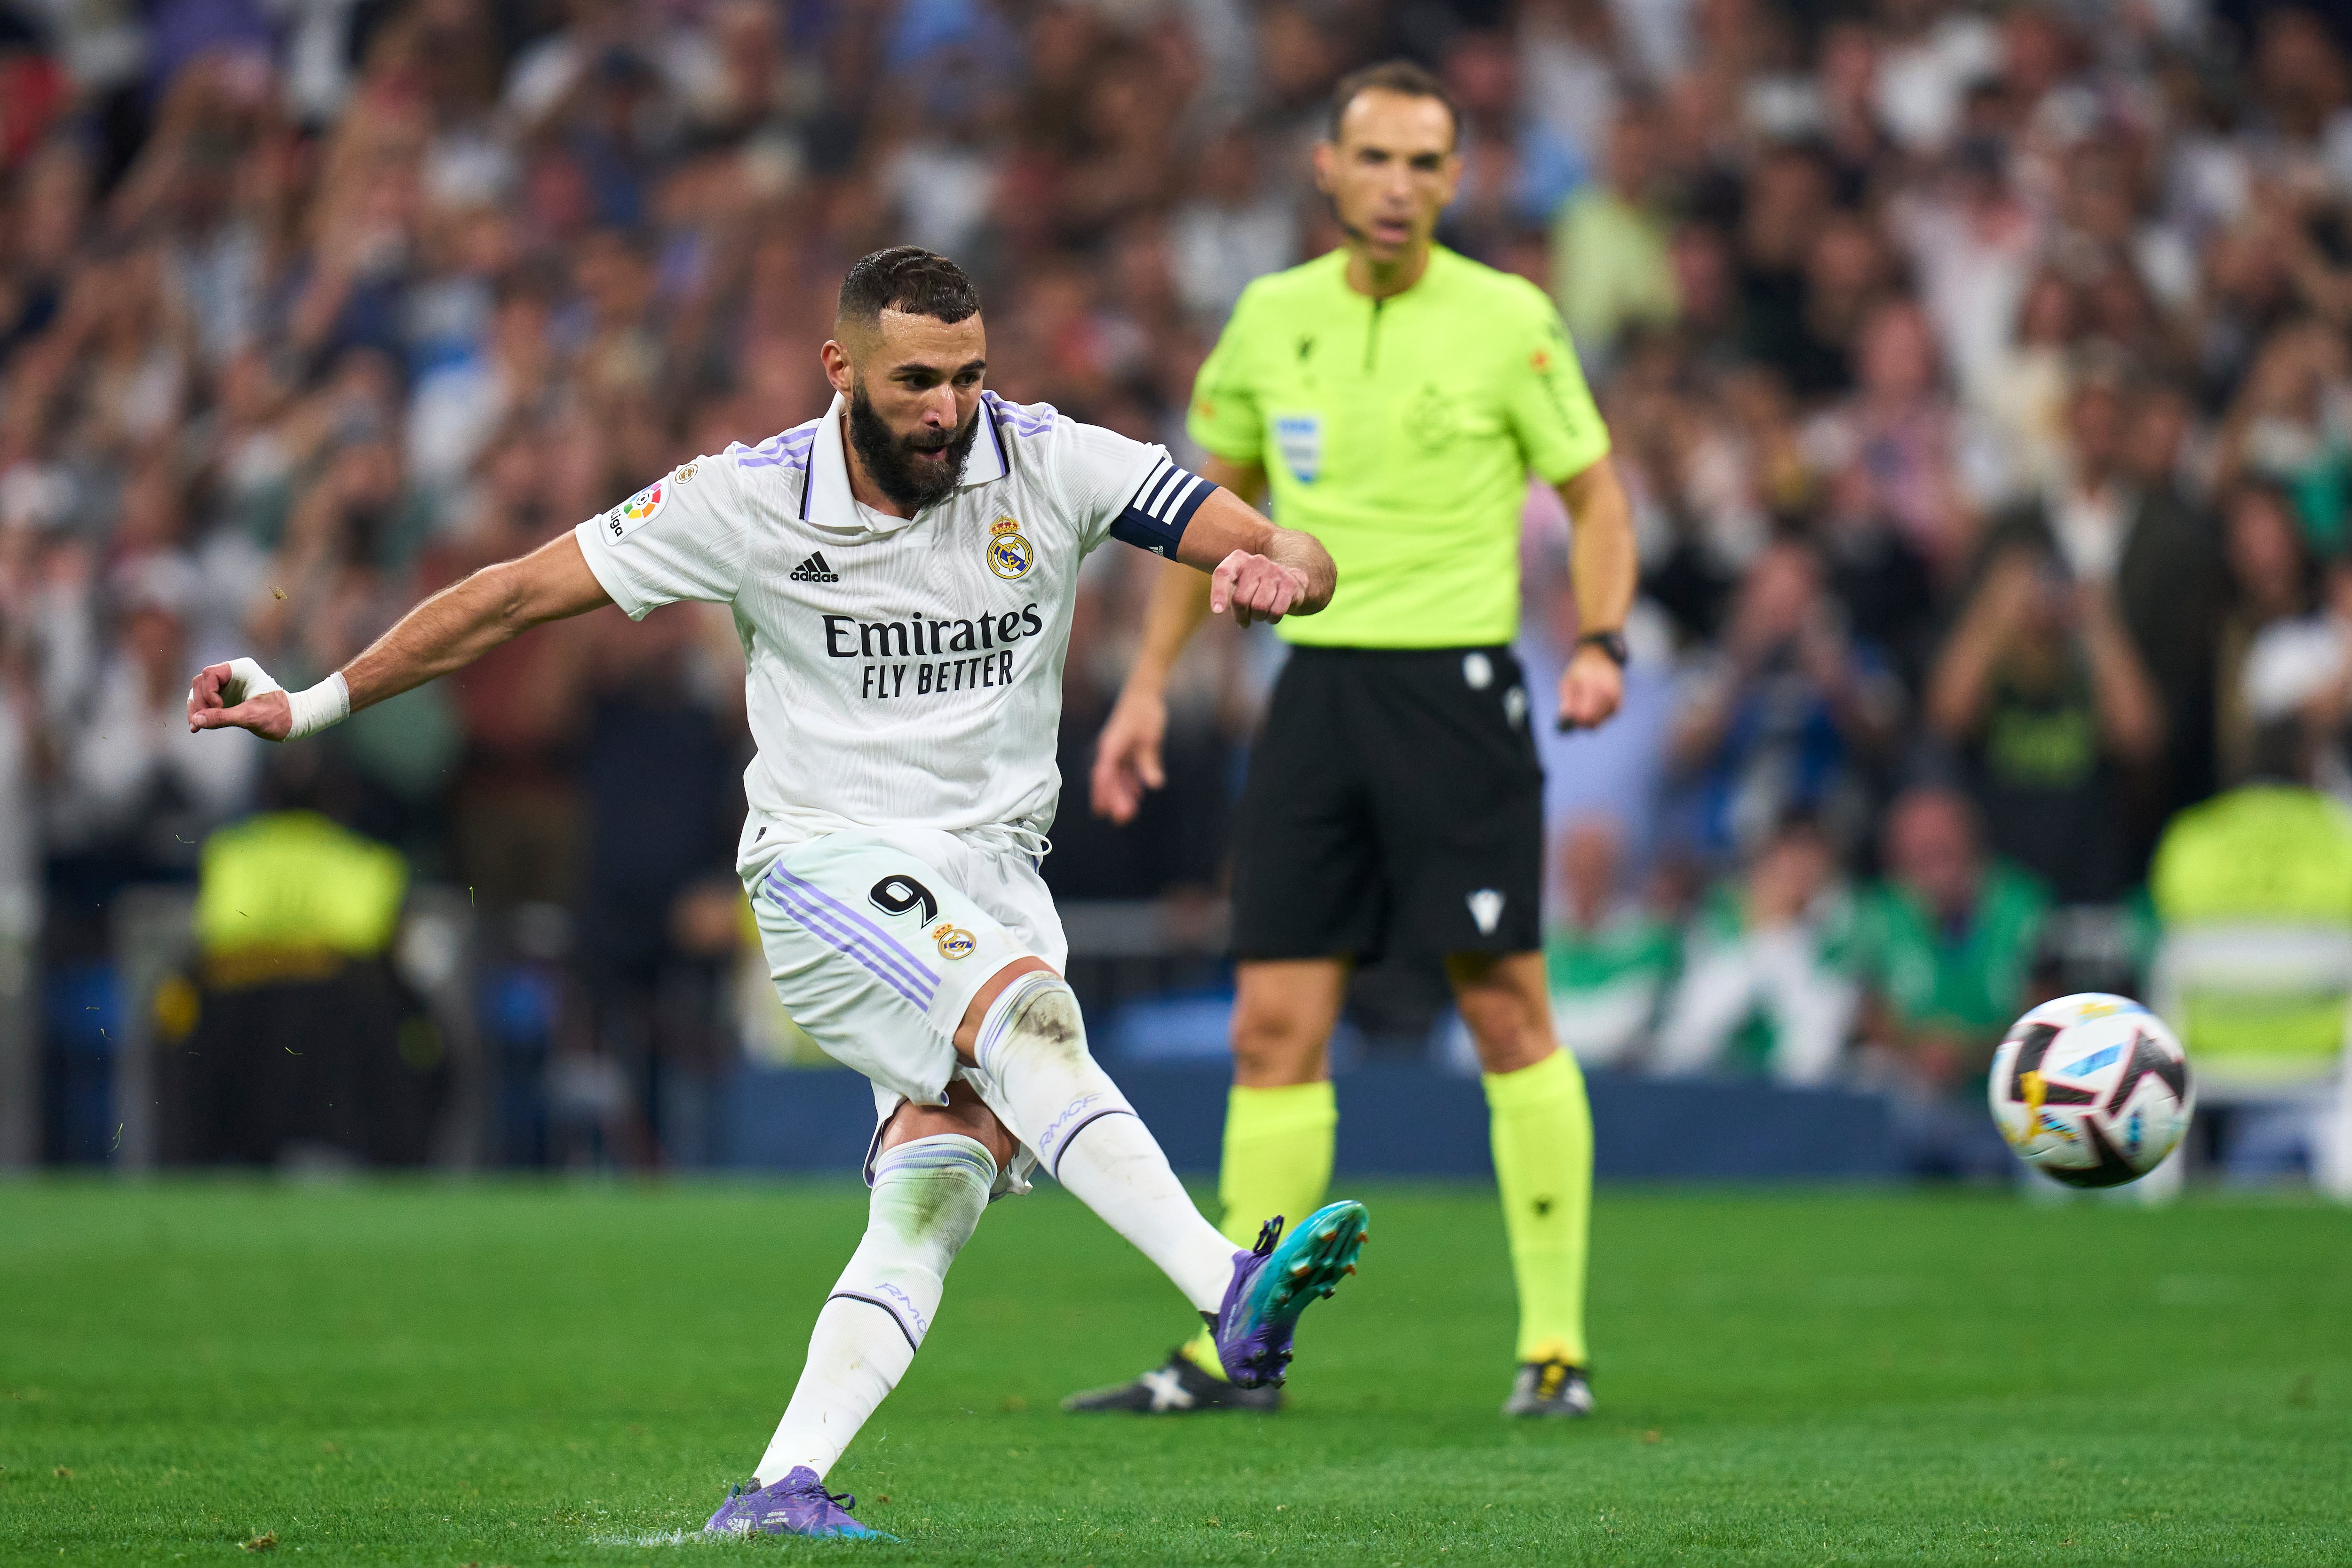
x: 312, y: 709
x: 316, y: 707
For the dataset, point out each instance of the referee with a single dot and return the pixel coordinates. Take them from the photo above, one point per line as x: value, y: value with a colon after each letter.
x: 1393, y: 397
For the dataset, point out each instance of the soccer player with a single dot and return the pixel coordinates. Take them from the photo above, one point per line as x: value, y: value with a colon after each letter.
x: 902, y: 572
x: 1394, y: 396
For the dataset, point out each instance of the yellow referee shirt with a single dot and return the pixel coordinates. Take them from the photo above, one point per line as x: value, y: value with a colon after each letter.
x: 1399, y: 433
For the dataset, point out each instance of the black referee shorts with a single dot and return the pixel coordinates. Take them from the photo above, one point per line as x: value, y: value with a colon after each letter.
x: 1394, y: 802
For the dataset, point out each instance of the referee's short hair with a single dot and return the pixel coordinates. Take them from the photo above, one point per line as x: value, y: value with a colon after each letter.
x: 1401, y: 77
x: 910, y: 279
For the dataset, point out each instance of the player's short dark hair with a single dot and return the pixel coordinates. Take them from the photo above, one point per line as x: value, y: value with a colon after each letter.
x: 910, y: 279
x: 1400, y: 77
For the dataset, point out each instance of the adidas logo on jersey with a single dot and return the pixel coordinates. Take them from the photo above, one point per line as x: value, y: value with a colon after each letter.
x: 814, y: 570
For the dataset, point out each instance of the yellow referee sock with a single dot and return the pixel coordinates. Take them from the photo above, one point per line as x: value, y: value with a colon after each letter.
x: 1277, y: 1160
x: 1542, y: 1131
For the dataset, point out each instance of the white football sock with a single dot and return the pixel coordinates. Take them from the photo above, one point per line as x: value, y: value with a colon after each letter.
x: 1032, y: 1044
x: 928, y: 1195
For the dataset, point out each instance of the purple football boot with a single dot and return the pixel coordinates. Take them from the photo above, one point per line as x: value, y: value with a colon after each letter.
x: 797, y: 1505
x: 1272, y: 1283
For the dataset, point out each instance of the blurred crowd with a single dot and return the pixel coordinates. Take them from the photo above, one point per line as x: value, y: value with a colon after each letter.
x: 1979, y: 373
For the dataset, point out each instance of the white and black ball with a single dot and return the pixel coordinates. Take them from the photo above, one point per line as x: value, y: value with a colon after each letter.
x: 2092, y: 1089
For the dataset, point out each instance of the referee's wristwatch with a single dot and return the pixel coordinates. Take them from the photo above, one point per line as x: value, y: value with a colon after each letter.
x: 1612, y: 643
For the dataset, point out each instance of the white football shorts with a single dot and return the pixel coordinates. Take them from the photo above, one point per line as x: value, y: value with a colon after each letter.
x: 877, y: 941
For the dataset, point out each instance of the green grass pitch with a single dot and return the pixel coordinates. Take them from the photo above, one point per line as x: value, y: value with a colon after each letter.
x: 538, y: 1373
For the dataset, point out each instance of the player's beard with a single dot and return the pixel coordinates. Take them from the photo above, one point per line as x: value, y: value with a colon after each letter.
x: 909, y: 482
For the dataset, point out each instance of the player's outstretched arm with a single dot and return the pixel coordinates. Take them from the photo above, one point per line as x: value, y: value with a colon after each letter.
x: 446, y: 632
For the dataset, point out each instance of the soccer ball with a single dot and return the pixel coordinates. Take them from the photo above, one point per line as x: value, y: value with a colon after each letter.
x: 2092, y: 1089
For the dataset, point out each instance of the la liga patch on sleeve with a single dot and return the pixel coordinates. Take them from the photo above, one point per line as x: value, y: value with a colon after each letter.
x: 637, y: 512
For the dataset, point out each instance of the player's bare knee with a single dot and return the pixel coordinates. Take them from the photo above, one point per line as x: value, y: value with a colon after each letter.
x: 993, y: 1135
x: 965, y: 1115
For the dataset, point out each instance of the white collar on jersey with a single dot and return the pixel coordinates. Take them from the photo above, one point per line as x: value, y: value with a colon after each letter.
x: 826, y: 501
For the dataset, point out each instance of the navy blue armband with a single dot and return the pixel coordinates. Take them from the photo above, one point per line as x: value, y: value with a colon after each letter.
x: 1155, y: 518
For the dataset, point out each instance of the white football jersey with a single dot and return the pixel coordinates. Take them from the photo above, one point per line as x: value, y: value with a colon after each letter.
x: 902, y: 673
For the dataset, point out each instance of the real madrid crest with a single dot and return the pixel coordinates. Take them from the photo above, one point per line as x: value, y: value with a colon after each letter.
x: 1009, y: 554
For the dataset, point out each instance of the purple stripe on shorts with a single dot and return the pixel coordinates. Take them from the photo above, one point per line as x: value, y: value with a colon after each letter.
x: 821, y: 916
x: 909, y: 980
x: 815, y: 921
x: 914, y: 998
x: 858, y: 922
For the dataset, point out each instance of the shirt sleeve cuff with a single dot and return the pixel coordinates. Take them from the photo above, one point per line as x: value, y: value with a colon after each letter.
x: 607, y: 572
x: 1240, y: 454
x: 1575, y: 464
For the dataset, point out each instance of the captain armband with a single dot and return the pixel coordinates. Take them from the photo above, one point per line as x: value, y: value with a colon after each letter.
x: 1155, y: 518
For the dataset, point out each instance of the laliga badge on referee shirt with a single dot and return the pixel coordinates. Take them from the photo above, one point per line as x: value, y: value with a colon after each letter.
x: 1009, y: 554
x: 1299, y: 436
x: 637, y: 512
x: 955, y: 941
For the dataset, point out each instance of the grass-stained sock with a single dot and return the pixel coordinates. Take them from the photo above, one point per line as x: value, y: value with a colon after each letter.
x: 1277, y: 1160
x: 929, y: 1195
x: 1542, y: 1132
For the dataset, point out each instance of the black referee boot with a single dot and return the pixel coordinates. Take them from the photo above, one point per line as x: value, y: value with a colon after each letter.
x: 1179, y: 1388
x: 1549, y: 1388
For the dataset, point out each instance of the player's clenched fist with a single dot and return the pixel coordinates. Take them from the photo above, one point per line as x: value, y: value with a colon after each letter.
x: 1255, y: 588
x: 240, y: 695
x: 221, y: 697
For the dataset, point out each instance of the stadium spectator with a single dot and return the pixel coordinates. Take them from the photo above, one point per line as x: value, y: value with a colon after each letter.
x: 297, y: 1043
x: 2291, y: 424
x: 661, y: 764
x: 2271, y: 587
x: 1788, y: 716
x: 2141, y: 544
x: 2254, y: 889
x: 139, y: 791
x: 1233, y: 227
x: 2041, y: 692
x: 1782, y: 206
x: 1610, y: 262
x: 1945, y: 948
x: 2023, y: 391
x: 1898, y: 427
x: 2298, y: 674
x: 1609, y: 958
x: 1765, y: 990
x: 1516, y: 169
